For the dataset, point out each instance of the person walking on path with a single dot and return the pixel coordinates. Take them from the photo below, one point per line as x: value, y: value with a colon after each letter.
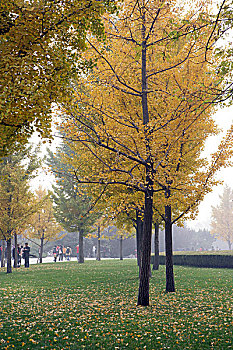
x: 26, y: 251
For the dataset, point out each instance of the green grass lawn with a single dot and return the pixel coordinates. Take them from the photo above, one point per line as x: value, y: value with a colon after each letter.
x: 93, y: 306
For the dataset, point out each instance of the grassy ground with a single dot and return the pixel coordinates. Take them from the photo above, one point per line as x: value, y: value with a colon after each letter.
x: 93, y: 306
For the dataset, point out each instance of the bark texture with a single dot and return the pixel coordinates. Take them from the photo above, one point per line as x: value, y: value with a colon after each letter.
x: 139, y: 232
x: 143, y: 293
x: 9, y: 266
x: 41, y: 248
x: 16, y: 251
x: 156, y: 248
x: 121, y: 248
x: 170, y: 284
x: 98, y: 257
x: 80, y: 242
x: 3, y: 253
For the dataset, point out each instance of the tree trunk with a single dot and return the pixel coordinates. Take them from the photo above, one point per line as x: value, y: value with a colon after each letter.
x: 16, y: 251
x: 156, y: 248
x: 98, y: 246
x: 229, y: 244
x: 9, y: 267
x: 3, y: 253
x: 139, y: 232
x: 41, y: 248
x: 143, y: 293
x: 121, y: 248
x: 170, y: 284
x: 80, y: 242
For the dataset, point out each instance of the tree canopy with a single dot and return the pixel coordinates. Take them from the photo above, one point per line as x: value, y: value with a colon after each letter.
x: 222, y: 217
x: 40, y: 43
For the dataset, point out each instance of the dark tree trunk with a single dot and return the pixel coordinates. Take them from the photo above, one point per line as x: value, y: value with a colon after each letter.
x: 156, y: 248
x: 80, y: 242
x: 9, y: 267
x: 98, y: 257
x: 16, y: 251
x: 143, y: 293
x: 41, y: 248
x: 139, y: 231
x: 121, y: 248
x: 229, y: 244
x: 170, y: 284
x: 3, y: 253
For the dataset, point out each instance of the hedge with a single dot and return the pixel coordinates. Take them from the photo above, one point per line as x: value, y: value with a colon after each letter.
x: 212, y: 261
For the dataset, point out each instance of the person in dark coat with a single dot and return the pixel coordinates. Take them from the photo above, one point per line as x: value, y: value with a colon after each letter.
x: 26, y: 251
x: 54, y: 254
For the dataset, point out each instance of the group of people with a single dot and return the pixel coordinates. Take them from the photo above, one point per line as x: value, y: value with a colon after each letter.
x: 22, y: 253
x: 60, y: 252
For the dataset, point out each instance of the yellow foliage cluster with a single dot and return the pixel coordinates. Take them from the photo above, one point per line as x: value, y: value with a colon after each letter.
x: 39, y: 48
x: 154, y: 63
x: 43, y: 225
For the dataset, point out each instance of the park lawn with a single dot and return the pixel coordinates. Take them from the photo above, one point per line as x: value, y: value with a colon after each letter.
x: 93, y: 306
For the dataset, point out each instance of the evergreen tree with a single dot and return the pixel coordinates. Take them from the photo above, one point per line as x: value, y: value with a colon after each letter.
x: 222, y: 217
x: 72, y: 205
x: 43, y: 226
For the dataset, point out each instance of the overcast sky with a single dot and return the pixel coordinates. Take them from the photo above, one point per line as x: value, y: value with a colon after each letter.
x: 224, y: 118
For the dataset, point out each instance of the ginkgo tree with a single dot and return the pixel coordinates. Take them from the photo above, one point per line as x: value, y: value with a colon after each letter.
x: 137, y: 113
x: 222, y: 217
x: 17, y: 203
x: 40, y: 41
x: 43, y: 226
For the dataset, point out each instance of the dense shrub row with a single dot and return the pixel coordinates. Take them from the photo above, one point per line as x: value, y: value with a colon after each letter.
x: 217, y: 261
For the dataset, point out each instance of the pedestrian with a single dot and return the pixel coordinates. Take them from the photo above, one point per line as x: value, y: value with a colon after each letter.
x: 64, y: 252
x: 0, y: 253
x: 54, y: 254
x: 94, y: 251
x: 60, y: 252
x: 26, y: 251
x: 68, y: 253
x: 19, y: 255
x: 77, y: 247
